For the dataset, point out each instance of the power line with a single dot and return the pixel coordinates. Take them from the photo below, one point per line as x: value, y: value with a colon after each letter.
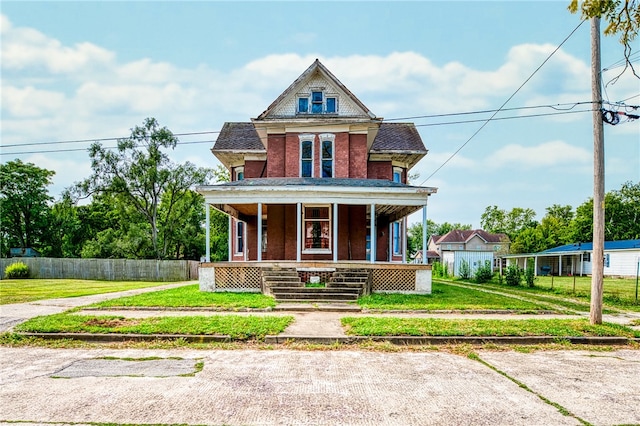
x: 84, y: 149
x: 503, y: 105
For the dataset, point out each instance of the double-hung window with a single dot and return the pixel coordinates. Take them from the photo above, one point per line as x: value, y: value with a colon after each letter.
x: 239, y: 237
x: 326, y: 154
x: 306, y: 156
x: 397, y: 238
x: 317, y: 229
x: 239, y: 173
x: 397, y: 174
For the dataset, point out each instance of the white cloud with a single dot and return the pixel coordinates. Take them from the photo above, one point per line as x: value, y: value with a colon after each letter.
x: 553, y: 153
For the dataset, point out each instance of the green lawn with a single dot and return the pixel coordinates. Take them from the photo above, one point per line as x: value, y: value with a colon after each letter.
x: 22, y: 291
x: 237, y: 326
x: 447, y: 297
x: 191, y: 296
x: 372, y: 326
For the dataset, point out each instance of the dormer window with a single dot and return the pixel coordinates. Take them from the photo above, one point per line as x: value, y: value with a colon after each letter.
x: 317, y: 102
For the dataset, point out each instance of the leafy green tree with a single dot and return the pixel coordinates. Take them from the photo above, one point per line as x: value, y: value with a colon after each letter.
x: 141, y: 174
x: 24, y: 204
x: 511, y: 223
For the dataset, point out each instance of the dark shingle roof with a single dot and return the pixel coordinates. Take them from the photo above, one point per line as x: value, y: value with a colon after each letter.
x: 238, y: 136
x: 398, y: 137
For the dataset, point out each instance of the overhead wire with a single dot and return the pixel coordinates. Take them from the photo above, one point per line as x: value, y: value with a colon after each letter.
x: 503, y: 104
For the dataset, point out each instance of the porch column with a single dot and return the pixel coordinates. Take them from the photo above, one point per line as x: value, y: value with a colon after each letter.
x: 207, y: 255
x: 335, y: 232
x: 259, y: 232
x: 373, y: 234
x: 560, y: 266
x: 298, y: 231
x: 535, y: 266
x: 230, y: 239
x: 404, y: 240
x: 424, y: 234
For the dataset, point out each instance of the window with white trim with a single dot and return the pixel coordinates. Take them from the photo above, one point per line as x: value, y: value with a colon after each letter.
x: 317, y: 102
x: 306, y: 157
x: 396, y: 228
x: 317, y: 229
x: 239, y: 236
x: 326, y: 154
x: 239, y: 173
x: 397, y: 174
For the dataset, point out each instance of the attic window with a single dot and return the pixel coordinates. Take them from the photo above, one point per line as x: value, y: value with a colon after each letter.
x: 317, y: 103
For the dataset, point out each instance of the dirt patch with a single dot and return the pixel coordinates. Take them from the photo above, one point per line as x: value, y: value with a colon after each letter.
x: 111, y: 322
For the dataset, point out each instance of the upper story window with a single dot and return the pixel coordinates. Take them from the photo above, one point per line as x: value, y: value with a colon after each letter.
x: 326, y: 154
x: 317, y: 102
x: 306, y: 157
x: 239, y: 173
x: 397, y: 174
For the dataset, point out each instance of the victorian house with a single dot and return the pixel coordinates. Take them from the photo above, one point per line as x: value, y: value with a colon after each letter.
x: 318, y: 183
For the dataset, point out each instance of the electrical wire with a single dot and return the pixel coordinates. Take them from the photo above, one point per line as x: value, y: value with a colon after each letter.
x: 503, y: 104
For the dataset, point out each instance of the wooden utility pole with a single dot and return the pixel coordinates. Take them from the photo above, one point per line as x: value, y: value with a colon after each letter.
x: 597, y: 258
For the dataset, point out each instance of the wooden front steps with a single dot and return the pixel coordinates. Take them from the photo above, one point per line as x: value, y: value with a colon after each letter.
x: 345, y: 285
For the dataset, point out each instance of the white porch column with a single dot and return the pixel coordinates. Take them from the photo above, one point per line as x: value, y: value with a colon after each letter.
x: 535, y: 266
x: 335, y: 232
x: 424, y: 234
x: 372, y: 250
x: 259, y: 232
x: 298, y: 232
x: 207, y: 255
x: 560, y: 266
x: 230, y: 238
x: 404, y: 240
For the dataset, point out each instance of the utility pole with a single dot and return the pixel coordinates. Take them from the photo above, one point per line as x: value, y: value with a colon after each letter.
x: 597, y: 258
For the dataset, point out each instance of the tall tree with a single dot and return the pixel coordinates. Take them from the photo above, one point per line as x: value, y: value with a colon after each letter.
x: 24, y: 204
x: 140, y: 172
x: 500, y: 221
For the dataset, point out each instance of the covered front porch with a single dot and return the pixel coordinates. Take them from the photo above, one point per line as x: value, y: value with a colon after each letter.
x: 305, y: 222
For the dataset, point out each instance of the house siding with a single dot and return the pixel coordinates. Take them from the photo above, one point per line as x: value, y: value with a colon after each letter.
x: 276, y: 156
x: 358, y: 156
x: 254, y: 169
x: 380, y: 170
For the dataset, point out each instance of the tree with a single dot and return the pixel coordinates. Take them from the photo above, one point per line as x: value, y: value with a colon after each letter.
x: 499, y: 221
x: 623, y: 18
x: 24, y: 204
x: 141, y: 175
x: 414, y: 233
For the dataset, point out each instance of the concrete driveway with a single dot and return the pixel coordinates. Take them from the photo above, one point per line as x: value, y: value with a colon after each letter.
x: 268, y: 387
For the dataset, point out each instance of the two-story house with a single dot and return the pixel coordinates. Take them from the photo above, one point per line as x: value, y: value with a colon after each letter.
x: 317, y: 177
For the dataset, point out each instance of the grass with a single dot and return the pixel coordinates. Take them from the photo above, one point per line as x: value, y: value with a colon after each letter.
x: 235, y: 326
x: 372, y: 326
x: 23, y: 291
x: 447, y: 297
x: 191, y: 297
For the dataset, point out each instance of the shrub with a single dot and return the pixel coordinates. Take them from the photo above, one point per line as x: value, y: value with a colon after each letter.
x: 530, y: 276
x: 16, y: 270
x: 464, y: 270
x: 439, y: 270
x: 513, y: 275
x: 484, y: 273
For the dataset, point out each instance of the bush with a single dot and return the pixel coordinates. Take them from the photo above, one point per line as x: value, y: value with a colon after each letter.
x: 484, y: 273
x: 16, y: 270
x: 513, y: 275
x: 530, y: 276
x: 464, y: 270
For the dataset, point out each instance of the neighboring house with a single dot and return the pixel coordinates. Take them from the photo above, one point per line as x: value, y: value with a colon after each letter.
x: 23, y: 252
x: 476, y: 247
x: 432, y: 256
x: 621, y: 259
x: 317, y: 177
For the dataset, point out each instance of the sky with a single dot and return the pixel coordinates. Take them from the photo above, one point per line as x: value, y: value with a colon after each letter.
x: 85, y: 71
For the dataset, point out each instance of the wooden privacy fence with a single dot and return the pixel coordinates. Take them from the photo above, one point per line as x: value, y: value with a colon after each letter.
x: 107, y: 269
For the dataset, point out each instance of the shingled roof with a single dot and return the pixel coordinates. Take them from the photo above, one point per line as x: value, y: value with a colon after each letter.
x: 462, y: 236
x: 238, y: 137
x: 395, y: 137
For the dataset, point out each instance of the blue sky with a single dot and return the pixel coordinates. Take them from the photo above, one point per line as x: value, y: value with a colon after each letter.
x: 91, y: 70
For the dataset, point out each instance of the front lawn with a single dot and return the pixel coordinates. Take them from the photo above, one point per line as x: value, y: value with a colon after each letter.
x: 24, y: 291
x: 237, y: 326
x: 448, y: 297
x: 190, y: 296
x: 373, y: 326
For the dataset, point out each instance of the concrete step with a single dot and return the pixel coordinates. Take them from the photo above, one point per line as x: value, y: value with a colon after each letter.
x: 283, y: 278
x: 284, y: 284
x: 315, y: 297
x: 319, y: 290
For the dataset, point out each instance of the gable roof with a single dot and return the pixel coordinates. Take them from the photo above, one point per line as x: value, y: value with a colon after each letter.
x: 608, y: 245
x: 395, y: 137
x: 319, y: 68
x: 463, y: 236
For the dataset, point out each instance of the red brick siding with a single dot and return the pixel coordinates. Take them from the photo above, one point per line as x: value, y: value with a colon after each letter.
x: 292, y: 155
x: 275, y: 156
x: 275, y: 232
x: 380, y: 170
x: 358, y: 156
x: 341, y: 155
x: 358, y: 232
x: 254, y: 169
x: 290, y: 232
